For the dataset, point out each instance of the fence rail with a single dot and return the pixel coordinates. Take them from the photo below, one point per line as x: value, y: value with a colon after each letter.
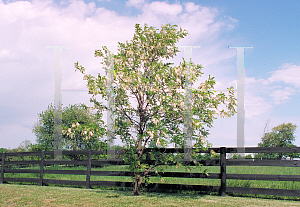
x: 222, y: 176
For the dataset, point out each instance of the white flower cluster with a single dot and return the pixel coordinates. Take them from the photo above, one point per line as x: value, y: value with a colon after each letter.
x: 155, y: 120
x: 151, y: 134
x: 71, y: 131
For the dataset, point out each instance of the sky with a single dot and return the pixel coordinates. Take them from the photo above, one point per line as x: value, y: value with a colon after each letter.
x: 272, y: 67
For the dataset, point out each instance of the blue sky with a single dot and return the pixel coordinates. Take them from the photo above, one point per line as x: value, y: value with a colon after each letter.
x: 272, y: 67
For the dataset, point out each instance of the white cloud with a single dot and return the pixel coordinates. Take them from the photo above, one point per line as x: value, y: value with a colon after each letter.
x: 233, y: 24
x: 281, y: 96
x: 135, y: 3
x: 5, y: 55
x: 191, y: 7
x: 287, y: 73
x: 250, y: 80
x: 163, y: 8
x: 255, y: 106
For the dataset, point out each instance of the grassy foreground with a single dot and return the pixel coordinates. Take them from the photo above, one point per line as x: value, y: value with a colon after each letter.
x: 29, y: 195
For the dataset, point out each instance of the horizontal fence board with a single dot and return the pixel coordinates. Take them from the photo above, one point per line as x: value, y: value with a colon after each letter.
x: 21, y: 154
x: 21, y: 171
x: 70, y: 172
x: 272, y: 150
x: 190, y: 175
x: 62, y: 162
x: 63, y: 182
x: 165, y: 174
x: 184, y: 187
x: 261, y: 150
x: 266, y: 191
x: 165, y: 150
x: 111, y: 173
x: 64, y: 152
x: 281, y: 163
x: 25, y: 162
x: 83, y: 152
x: 263, y: 177
x: 194, y: 162
x: 28, y: 180
x: 108, y: 162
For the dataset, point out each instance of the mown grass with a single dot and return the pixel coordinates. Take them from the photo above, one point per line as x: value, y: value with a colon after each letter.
x: 30, y: 195
x: 291, y: 185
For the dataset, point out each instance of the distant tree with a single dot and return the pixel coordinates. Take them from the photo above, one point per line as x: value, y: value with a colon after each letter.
x: 248, y: 156
x: 280, y: 136
x: 25, y: 145
x: 234, y: 156
x: 3, y: 150
x: 16, y: 158
x: 82, y: 129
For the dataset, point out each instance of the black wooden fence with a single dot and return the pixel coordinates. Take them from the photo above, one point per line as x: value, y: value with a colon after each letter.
x: 222, y: 162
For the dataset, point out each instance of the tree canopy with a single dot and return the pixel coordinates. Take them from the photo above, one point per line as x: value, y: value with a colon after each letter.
x: 82, y: 129
x: 149, y: 103
x: 280, y: 136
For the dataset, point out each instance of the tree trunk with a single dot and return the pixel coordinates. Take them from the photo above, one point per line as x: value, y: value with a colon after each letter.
x: 138, y: 185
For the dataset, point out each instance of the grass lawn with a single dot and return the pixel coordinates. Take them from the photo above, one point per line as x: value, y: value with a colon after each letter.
x: 30, y: 195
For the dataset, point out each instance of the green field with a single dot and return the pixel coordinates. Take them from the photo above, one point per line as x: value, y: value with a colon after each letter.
x: 291, y: 185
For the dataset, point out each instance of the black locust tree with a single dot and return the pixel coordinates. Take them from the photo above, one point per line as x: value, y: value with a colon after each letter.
x: 149, y: 106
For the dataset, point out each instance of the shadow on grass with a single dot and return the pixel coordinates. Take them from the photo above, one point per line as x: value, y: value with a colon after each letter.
x: 267, y: 197
x: 115, y: 192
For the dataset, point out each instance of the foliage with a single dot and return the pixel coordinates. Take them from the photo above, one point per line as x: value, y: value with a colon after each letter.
x: 157, y: 119
x: 236, y: 156
x: 248, y: 157
x: 82, y: 129
x: 214, y: 155
x: 3, y: 150
x: 25, y: 145
x: 280, y: 136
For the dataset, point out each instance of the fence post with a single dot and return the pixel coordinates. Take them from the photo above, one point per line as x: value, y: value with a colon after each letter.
x: 42, y: 168
x: 88, y: 173
x: 223, y: 171
x: 2, y: 168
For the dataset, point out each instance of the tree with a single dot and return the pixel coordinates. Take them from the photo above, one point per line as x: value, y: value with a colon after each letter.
x: 158, y: 117
x: 3, y: 150
x: 236, y: 156
x: 280, y: 136
x: 25, y: 145
x: 82, y: 129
